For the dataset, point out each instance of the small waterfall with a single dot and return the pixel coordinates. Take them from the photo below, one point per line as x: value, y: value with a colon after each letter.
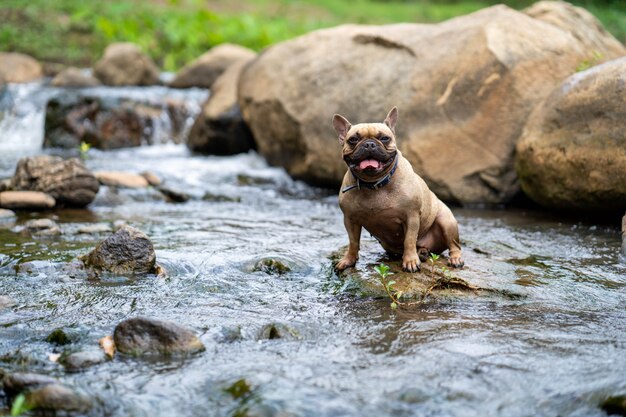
x: 169, y: 113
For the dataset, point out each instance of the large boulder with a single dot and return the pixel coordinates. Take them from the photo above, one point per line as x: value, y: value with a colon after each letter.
x: 19, y: 68
x: 220, y: 129
x: 464, y: 88
x: 572, y: 154
x: 68, y: 181
x: 145, y: 336
x: 207, y: 68
x: 125, y: 64
x: 127, y: 251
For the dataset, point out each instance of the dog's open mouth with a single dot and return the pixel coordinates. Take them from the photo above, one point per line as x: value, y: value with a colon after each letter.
x: 370, y: 164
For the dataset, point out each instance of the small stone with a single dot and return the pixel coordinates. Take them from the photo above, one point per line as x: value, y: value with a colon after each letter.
x: 43, y: 227
x: 58, y: 337
x: 6, y: 302
x: 95, y: 228
x: 174, y: 195
x: 26, y: 200
x: 74, y: 78
x: 144, y: 336
x: 217, y: 198
x: 152, y: 178
x: 6, y: 215
x: 81, y: 360
x: 272, y: 266
x: 17, y: 382
x: 57, y: 397
x: 121, y: 179
x: 127, y: 251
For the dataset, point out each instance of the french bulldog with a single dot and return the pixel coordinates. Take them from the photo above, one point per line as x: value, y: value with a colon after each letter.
x: 382, y: 193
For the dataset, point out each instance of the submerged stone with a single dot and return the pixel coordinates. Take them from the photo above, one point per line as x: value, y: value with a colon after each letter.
x: 615, y: 406
x: 174, y: 195
x: 17, y: 382
x: 58, y: 337
x: 279, y: 331
x: 7, y: 215
x: 127, y: 251
x: 272, y: 266
x: 57, y: 397
x: 43, y: 227
x: 145, y: 336
x: 78, y: 361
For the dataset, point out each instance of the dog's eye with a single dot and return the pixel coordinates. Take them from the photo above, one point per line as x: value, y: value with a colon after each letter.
x: 353, y: 139
x: 385, y: 139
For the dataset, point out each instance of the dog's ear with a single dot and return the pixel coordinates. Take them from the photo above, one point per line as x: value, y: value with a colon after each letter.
x: 341, y: 125
x: 392, y: 119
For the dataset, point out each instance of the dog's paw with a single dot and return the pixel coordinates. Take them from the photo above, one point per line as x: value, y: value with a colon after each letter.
x: 344, y: 263
x: 411, y: 263
x: 456, y: 262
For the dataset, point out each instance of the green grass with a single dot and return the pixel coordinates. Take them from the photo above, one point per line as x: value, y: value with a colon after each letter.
x: 173, y: 32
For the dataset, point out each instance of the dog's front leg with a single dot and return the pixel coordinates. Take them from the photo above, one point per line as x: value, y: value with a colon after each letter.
x: 410, y: 258
x: 352, y: 254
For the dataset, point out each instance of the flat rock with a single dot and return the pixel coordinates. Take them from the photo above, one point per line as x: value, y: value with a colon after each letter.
x: 572, y: 154
x: 144, y: 336
x: 127, y: 251
x: 95, y: 228
x: 220, y: 128
x: 173, y: 194
x: 78, y: 361
x: 207, y: 68
x: 19, y: 68
x: 152, y: 178
x: 26, y: 200
x: 57, y: 397
x: 17, y: 382
x: 74, y: 78
x: 464, y: 89
x: 67, y: 180
x: 42, y: 227
x: 126, y: 64
x: 121, y: 179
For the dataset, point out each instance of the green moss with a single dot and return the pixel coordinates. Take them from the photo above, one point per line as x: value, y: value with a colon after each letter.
x: 58, y: 337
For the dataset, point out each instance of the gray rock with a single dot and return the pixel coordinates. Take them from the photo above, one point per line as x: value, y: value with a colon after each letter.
x: 126, y: 64
x: 19, y: 68
x: 68, y: 181
x: 74, y: 78
x: 5, y: 214
x: 220, y: 129
x: 57, y: 397
x: 127, y: 251
x: 78, y: 361
x: 43, y: 227
x: 144, y: 336
x: 174, y: 195
x: 17, y: 382
x: 26, y: 200
x: 206, y: 69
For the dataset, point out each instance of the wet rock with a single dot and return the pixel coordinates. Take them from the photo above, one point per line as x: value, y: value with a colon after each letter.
x: 78, y: 361
x: 26, y: 200
x: 6, y: 302
x: 121, y: 179
x: 572, y: 153
x: 17, y: 382
x: 6, y: 215
x: 206, y: 69
x: 58, y: 337
x: 279, y: 331
x: 465, y: 86
x: 57, y: 397
x: 115, y: 121
x: 19, y: 68
x: 5, y: 184
x: 623, y: 254
x: 152, y: 178
x: 127, y: 251
x: 144, y: 336
x: 74, y: 78
x: 272, y: 266
x: 615, y: 406
x: 220, y: 129
x: 126, y: 64
x: 92, y: 229
x: 217, y: 198
x: 42, y: 227
x: 174, y: 195
x: 68, y: 181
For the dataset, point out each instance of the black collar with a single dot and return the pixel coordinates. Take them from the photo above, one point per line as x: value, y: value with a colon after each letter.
x: 372, y: 185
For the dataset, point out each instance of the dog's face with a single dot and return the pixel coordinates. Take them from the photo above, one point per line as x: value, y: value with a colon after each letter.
x: 369, y: 149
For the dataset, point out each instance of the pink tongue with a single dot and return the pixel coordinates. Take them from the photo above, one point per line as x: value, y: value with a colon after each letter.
x: 369, y: 163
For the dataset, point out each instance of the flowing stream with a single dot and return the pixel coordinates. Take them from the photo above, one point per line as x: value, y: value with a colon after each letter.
x: 557, y: 348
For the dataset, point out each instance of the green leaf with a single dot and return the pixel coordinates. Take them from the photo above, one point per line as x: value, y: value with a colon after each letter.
x: 394, y: 305
x: 399, y: 294
x: 19, y: 406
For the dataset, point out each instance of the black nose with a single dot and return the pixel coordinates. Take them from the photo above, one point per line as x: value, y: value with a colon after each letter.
x: 369, y: 144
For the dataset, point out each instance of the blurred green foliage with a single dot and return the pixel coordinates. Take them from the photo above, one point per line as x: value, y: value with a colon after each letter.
x: 174, y: 32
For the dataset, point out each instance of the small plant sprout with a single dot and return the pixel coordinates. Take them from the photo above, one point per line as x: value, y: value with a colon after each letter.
x: 394, y: 295
x: 84, y: 148
x: 20, y: 406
